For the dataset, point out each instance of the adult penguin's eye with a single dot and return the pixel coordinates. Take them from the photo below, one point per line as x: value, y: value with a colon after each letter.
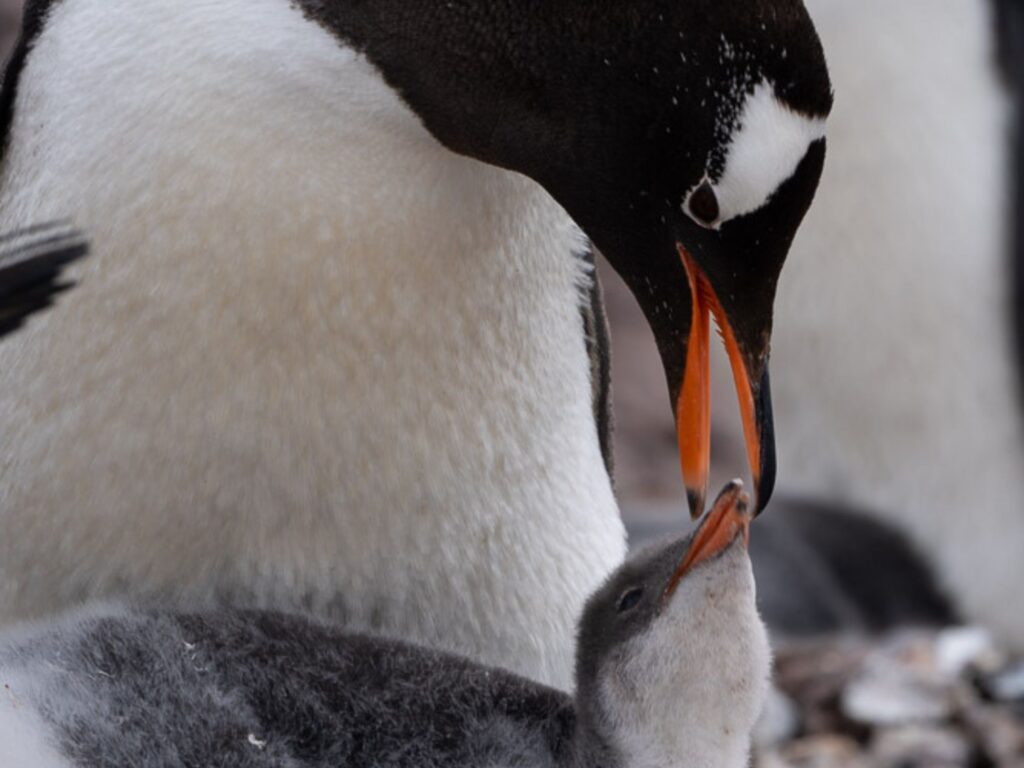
x: 630, y: 599
x: 703, y: 205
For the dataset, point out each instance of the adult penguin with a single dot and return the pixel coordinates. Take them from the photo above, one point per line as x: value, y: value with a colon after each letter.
x: 327, y: 353
x: 899, y: 354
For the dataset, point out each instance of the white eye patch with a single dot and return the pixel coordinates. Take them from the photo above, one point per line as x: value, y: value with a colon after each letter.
x: 767, y: 145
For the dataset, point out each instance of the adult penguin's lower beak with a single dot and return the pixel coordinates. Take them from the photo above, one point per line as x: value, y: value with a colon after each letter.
x: 693, y: 407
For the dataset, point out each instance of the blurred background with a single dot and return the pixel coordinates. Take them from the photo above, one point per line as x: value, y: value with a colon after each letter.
x: 890, y: 565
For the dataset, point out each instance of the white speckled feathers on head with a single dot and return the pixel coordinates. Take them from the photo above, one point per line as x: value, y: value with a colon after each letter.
x: 766, y: 144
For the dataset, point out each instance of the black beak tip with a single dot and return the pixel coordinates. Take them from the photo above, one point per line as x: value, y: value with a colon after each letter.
x: 766, y: 429
x: 766, y: 487
x: 695, y: 498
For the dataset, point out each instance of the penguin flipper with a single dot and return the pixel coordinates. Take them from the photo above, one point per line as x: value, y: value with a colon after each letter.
x: 32, y: 261
x: 598, y: 337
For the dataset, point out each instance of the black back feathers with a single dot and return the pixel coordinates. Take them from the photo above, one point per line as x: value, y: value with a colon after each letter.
x: 32, y: 261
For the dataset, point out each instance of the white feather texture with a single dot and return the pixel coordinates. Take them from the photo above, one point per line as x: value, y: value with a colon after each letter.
x: 316, y: 360
x: 34, y: 691
x: 25, y: 739
x: 893, y: 367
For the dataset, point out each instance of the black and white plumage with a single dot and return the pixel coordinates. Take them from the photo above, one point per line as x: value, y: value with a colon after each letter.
x: 669, y: 672
x: 32, y: 261
x: 328, y: 353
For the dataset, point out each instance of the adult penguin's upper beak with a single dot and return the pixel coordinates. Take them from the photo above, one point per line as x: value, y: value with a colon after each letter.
x: 747, y: 346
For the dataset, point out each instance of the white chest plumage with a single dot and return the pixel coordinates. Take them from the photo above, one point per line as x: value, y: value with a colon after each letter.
x: 894, y: 375
x: 316, y: 360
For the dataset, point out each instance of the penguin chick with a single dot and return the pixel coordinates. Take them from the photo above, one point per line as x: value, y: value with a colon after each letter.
x: 672, y: 669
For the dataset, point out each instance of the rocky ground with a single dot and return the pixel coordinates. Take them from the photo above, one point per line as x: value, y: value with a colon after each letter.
x: 910, y: 700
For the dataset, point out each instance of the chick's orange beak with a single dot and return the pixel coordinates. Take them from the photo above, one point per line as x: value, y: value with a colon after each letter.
x: 728, y: 518
x: 693, y: 407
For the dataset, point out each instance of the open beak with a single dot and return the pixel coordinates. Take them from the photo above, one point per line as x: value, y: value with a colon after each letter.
x: 728, y: 519
x: 693, y: 408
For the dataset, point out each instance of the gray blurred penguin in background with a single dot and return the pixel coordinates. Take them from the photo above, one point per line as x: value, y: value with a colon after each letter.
x: 10, y: 15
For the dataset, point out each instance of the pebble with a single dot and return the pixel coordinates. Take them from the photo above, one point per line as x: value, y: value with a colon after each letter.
x: 888, y: 695
x: 814, y: 676
x: 1007, y: 685
x: 825, y: 751
x: 924, y: 746
x: 962, y: 648
x: 900, y: 682
x: 998, y: 733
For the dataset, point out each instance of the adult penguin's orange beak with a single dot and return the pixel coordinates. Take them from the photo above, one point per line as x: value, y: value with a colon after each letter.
x: 749, y: 361
x: 684, y: 275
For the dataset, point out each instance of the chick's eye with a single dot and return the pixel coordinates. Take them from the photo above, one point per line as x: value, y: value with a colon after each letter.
x: 630, y: 599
